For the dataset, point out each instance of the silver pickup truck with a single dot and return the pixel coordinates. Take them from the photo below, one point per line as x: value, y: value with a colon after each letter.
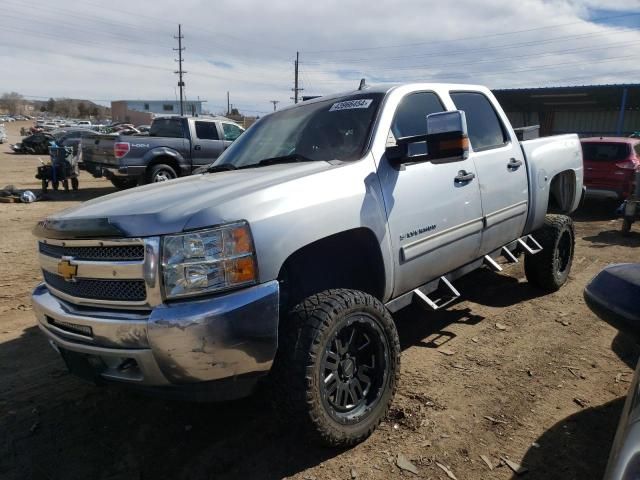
x: 286, y: 260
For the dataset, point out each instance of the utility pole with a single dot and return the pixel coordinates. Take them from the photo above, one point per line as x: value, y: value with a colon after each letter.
x: 275, y: 102
x: 228, y: 104
x: 295, y: 88
x: 180, y: 72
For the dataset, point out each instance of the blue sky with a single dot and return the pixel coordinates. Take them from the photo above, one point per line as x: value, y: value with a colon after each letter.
x: 123, y: 49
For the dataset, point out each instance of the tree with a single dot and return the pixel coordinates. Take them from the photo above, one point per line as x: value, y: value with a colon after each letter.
x: 51, y: 105
x: 83, y: 110
x: 43, y: 108
x: 12, y: 101
x: 95, y: 112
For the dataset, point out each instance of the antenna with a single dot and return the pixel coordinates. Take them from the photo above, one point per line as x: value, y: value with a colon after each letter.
x: 363, y: 84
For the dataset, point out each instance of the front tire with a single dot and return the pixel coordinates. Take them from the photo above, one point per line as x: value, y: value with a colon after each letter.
x: 337, y: 366
x: 549, y: 269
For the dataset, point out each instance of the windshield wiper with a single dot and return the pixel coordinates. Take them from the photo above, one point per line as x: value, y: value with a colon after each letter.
x: 293, y: 158
x: 220, y: 168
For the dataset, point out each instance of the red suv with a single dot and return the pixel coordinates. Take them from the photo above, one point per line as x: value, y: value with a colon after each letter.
x: 610, y: 164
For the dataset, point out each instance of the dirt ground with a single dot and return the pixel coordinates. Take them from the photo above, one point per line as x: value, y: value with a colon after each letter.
x: 497, y: 374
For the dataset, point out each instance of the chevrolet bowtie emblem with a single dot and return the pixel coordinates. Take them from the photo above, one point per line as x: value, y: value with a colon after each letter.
x: 67, y: 270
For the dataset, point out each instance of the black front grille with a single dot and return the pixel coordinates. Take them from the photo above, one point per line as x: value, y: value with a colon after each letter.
x: 109, y: 253
x: 114, y: 290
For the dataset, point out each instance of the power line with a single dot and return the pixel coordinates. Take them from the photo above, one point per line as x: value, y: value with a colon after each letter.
x: 441, y: 52
x: 476, y: 37
x: 500, y: 59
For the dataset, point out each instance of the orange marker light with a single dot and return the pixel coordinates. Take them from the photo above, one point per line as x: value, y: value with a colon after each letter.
x: 241, y: 239
x: 241, y: 270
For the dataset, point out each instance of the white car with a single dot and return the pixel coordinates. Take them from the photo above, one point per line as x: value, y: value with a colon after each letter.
x: 83, y: 123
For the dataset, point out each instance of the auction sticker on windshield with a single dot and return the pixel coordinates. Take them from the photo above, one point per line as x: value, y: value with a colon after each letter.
x: 349, y: 104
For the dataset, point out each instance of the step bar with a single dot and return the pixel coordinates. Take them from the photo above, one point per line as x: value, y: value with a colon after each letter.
x: 440, y: 292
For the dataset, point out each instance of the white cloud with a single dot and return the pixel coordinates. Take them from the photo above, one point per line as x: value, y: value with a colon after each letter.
x: 122, y: 49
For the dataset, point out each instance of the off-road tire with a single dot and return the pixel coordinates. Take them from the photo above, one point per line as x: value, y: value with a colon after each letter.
x: 306, y: 335
x: 75, y: 184
x: 159, y: 171
x: 549, y: 269
x: 122, y: 183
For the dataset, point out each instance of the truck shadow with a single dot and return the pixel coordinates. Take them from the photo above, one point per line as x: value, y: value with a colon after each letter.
x: 53, y: 426
x: 615, y: 237
x: 80, y: 195
x: 594, y: 210
x: 577, y: 446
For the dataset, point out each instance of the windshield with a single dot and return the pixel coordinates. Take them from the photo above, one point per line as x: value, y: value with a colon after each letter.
x: 335, y: 129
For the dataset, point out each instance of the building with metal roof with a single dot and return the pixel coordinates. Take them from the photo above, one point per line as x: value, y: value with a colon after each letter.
x: 589, y: 110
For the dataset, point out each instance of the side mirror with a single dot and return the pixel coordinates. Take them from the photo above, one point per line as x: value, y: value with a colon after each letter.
x: 446, y: 140
x: 612, y: 295
x: 447, y: 136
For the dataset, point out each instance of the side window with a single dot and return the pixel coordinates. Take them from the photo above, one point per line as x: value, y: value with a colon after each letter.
x: 411, y: 118
x: 206, y: 131
x: 484, y: 127
x: 231, y: 131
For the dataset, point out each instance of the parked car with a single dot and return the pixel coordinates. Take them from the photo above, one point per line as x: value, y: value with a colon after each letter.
x: 613, y: 295
x: 609, y: 166
x: 38, y: 144
x: 174, y: 147
x: 290, y: 256
x: 3, y: 134
x: 83, y: 123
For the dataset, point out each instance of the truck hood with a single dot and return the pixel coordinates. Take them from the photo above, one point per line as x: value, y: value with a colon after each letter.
x: 187, y: 203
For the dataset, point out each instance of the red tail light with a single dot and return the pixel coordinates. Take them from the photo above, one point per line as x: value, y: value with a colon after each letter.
x: 120, y: 149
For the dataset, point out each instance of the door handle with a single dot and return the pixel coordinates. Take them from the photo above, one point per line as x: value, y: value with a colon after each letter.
x: 464, y: 176
x: 514, y: 164
x: 197, y: 147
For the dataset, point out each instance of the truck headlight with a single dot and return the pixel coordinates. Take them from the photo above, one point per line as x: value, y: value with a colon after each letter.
x: 210, y: 260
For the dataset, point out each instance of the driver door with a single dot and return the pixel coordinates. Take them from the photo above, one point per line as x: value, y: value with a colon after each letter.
x: 435, y: 221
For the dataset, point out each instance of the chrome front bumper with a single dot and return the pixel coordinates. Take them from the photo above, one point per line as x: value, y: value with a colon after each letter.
x: 177, y: 344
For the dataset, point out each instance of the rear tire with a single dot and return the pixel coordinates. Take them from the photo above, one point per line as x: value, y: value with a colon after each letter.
x: 337, y: 367
x: 549, y: 269
x: 161, y: 173
x: 122, y: 183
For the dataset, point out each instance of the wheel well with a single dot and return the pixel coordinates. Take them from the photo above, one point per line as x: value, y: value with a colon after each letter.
x: 172, y: 162
x: 562, y: 192
x: 350, y: 259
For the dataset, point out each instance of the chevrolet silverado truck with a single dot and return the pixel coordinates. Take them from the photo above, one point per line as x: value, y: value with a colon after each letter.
x: 174, y: 147
x: 287, y: 259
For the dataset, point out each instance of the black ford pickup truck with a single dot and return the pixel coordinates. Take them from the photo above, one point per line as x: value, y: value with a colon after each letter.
x: 174, y: 147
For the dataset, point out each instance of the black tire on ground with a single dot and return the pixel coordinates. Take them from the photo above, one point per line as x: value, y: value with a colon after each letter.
x: 160, y: 173
x: 65, y: 185
x: 626, y: 225
x: 337, y: 367
x: 550, y: 268
x: 45, y: 183
x: 122, y: 183
x: 75, y: 183
x: 55, y: 184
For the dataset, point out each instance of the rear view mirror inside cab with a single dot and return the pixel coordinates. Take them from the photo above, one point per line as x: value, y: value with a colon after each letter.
x: 446, y: 140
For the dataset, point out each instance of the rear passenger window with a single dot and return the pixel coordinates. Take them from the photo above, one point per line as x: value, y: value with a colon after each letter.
x: 411, y: 118
x: 206, y: 131
x: 484, y: 127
